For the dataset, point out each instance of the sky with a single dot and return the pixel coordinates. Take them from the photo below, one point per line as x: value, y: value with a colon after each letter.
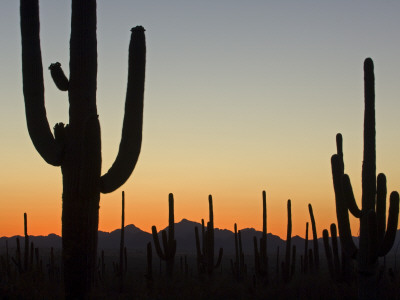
x: 240, y: 97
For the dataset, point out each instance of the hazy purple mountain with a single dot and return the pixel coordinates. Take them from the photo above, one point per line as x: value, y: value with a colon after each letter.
x: 137, y: 239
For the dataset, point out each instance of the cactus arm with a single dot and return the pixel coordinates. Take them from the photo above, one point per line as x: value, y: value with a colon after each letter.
x: 341, y: 209
x: 381, y: 193
x: 349, y: 197
x: 59, y: 77
x: 131, y: 139
x: 391, y: 230
x: 157, y: 243
x: 339, y: 149
x: 33, y: 88
x: 369, y: 160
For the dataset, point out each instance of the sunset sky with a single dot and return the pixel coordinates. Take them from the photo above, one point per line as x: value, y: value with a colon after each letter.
x: 240, y: 97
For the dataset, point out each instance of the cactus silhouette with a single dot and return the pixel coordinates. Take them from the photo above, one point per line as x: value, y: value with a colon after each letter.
x: 239, y: 268
x: 305, y: 256
x: 122, y: 265
x: 169, y: 242
x: 76, y: 147
x: 26, y: 252
x: 315, y: 237
x: 286, y: 265
x: 338, y: 271
x: 260, y: 257
x: 205, y: 254
x: 375, y: 241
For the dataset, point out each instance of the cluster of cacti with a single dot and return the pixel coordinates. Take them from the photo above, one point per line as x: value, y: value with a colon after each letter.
x: 239, y: 268
x: 260, y: 257
x: 76, y: 147
x: 376, y: 239
x: 168, y: 241
x: 205, y: 254
x: 339, y: 271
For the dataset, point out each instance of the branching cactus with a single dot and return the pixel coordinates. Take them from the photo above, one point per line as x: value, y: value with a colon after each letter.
x: 169, y: 242
x: 239, y: 268
x: 260, y: 257
x: 205, y: 255
x: 339, y: 271
x: 76, y: 147
x: 376, y: 237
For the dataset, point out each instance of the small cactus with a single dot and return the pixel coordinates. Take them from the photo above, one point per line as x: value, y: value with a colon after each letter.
x: 205, y: 256
x: 169, y: 242
x: 286, y: 270
x: 260, y: 257
x: 315, y: 237
x: 239, y: 268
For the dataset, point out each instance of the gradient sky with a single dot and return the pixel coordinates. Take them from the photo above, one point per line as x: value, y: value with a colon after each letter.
x: 240, y: 97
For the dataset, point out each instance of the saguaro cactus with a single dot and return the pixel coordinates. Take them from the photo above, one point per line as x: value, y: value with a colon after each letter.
x: 287, y: 266
x: 239, y: 268
x: 260, y: 257
x: 76, y: 147
x: 315, y: 237
x: 169, y: 242
x: 305, y: 261
x: 374, y: 240
x: 205, y: 258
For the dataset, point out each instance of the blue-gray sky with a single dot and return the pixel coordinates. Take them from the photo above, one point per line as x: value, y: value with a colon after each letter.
x: 240, y: 97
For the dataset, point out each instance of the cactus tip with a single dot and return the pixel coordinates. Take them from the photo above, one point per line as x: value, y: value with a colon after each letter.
x: 138, y: 28
x: 368, y: 64
x: 52, y: 66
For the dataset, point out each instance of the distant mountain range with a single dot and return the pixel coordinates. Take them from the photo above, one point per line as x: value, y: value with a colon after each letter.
x: 137, y: 239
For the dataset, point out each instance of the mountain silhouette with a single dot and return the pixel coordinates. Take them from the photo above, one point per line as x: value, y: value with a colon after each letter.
x: 137, y: 239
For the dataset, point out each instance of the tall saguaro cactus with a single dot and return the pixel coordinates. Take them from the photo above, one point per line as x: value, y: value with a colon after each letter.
x: 260, y: 257
x: 376, y: 239
x: 76, y: 147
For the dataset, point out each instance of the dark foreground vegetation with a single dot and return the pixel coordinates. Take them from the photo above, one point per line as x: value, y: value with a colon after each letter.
x: 43, y: 280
